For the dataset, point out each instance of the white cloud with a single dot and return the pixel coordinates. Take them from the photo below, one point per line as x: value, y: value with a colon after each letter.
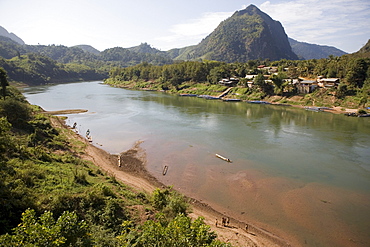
x: 195, y: 29
x: 318, y: 21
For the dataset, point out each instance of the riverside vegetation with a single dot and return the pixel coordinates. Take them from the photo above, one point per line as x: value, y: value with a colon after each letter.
x: 203, y: 77
x: 49, y: 196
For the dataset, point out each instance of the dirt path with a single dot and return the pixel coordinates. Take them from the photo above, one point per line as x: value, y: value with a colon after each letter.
x: 133, y: 173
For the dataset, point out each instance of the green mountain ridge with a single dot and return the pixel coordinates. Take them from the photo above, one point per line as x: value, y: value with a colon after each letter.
x: 88, y: 48
x: 308, y: 51
x: 248, y: 34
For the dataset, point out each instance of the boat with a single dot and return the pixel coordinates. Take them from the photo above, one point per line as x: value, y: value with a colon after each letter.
x: 165, y: 169
x: 312, y: 108
x: 350, y: 114
x: 208, y: 97
x: 364, y: 115
x: 232, y: 100
x: 223, y: 158
x: 212, y: 97
x: 189, y: 94
x: 258, y: 102
x: 89, y: 138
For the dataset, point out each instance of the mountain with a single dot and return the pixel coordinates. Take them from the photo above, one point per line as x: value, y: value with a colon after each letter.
x: 146, y: 48
x: 9, y: 48
x: 88, y: 48
x: 5, y: 33
x: 247, y: 34
x: 312, y: 51
x: 364, y: 52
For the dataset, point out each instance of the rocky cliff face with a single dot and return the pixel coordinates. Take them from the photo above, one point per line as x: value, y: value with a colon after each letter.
x: 247, y: 34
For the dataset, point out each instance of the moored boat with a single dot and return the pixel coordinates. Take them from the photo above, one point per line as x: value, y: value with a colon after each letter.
x: 258, y: 102
x: 223, y: 158
x: 231, y: 100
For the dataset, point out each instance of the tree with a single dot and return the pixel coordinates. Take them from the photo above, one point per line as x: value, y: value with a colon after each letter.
x: 67, y: 230
x: 181, y: 231
x: 357, y: 73
x: 278, y: 81
x: 3, y: 81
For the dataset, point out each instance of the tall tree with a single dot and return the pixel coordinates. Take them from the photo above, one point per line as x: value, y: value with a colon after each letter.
x: 3, y: 81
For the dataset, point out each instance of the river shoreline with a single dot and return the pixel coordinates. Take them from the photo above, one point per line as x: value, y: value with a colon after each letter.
x: 274, y: 100
x: 258, y: 188
x: 133, y: 172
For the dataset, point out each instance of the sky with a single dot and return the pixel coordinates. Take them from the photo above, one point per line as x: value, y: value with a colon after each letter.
x: 167, y: 24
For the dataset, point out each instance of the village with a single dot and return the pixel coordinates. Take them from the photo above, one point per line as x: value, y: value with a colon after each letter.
x: 302, y: 85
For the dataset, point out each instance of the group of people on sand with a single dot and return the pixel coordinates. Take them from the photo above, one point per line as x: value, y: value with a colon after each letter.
x: 225, y: 221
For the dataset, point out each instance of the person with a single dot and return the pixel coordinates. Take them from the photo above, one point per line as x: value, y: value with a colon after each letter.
x: 228, y: 221
x: 119, y: 160
x: 88, y: 132
x: 216, y: 222
x: 74, y: 125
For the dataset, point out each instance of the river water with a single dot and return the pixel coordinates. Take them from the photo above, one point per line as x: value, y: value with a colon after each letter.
x: 302, y: 175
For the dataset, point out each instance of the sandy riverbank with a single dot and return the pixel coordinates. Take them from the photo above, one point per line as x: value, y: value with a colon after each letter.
x: 133, y: 173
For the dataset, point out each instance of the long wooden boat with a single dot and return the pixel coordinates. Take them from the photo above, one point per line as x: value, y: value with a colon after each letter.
x: 165, y: 169
x: 258, y: 102
x: 232, y: 100
x: 223, y: 158
x: 189, y: 94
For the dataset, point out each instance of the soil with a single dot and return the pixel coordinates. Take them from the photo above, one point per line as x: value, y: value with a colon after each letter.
x: 132, y: 172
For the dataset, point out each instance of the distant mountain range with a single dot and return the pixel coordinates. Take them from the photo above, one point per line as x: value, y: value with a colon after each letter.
x: 308, y: 51
x: 247, y: 35
x: 12, y: 36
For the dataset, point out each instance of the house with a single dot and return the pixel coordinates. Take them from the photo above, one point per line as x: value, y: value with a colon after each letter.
x: 291, y: 81
x: 306, y: 86
x: 327, y: 82
x: 250, y: 84
x: 250, y: 77
x: 270, y: 70
x: 229, y: 82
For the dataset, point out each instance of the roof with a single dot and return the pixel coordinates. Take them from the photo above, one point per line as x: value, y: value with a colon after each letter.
x: 329, y: 79
x: 250, y: 76
x: 307, y: 82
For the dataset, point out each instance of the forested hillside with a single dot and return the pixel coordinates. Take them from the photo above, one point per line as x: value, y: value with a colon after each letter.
x: 203, y: 78
x: 248, y: 34
x: 40, y: 64
x: 306, y: 51
x: 49, y: 196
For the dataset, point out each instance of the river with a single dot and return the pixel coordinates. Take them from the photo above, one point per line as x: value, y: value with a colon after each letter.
x: 300, y: 174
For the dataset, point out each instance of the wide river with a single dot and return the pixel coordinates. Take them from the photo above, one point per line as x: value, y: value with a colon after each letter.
x: 302, y: 175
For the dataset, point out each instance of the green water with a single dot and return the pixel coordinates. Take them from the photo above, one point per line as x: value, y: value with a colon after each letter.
x: 303, y: 175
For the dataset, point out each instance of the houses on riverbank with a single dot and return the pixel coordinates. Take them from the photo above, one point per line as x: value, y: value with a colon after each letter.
x: 302, y: 85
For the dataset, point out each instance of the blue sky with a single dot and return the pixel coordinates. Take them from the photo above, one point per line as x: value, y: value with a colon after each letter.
x: 166, y: 24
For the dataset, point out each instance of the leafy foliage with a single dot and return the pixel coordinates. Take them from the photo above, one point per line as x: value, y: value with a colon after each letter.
x: 181, y: 231
x: 45, y: 231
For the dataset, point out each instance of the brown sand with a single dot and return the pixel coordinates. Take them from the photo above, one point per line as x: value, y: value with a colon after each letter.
x: 64, y: 112
x: 133, y: 173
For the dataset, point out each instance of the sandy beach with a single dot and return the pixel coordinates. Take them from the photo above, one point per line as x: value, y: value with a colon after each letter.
x: 132, y: 172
